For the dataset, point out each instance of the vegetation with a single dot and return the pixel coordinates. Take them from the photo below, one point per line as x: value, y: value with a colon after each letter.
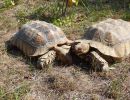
x: 19, y: 79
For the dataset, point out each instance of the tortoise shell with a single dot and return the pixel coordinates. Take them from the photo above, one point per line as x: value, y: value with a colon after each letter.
x: 37, y: 37
x: 114, y: 33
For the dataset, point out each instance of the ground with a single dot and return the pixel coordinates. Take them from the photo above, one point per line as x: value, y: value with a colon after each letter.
x: 20, y: 80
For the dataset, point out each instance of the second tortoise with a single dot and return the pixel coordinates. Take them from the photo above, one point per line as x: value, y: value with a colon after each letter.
x: 106, y: 42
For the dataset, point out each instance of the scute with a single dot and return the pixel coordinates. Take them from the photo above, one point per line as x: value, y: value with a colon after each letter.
x: 115, y: 33
x: 109, y: 32
x: 37, y: 37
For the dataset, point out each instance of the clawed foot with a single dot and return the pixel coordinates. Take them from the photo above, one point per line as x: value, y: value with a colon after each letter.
x: 46, y: 59
x: 43, y: 64
x: 107, y: 68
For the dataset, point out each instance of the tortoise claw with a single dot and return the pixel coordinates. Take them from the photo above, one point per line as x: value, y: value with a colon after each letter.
x: 107, y: 68
x: 46, y: 59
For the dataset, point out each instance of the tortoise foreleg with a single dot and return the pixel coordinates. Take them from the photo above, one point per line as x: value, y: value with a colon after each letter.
x: 98, y: 62
x: 69, y: 42
x: 46, y: 59
x: 63, y: 53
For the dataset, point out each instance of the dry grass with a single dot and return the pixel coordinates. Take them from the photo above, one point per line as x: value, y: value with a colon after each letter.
x: 20, y: 80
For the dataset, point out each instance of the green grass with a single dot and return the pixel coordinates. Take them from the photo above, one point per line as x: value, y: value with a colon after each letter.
x: 14, y: 94
x: 126, y: 16
x: 52, y: 12
x: 6, y: 4
x: 21, y: 16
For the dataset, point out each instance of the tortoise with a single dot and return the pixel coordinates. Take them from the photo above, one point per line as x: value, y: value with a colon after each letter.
x: 106, y: 42
x: 44, y: 40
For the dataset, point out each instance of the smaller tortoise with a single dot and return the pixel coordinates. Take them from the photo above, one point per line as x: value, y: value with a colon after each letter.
x: 42, y: 39
x: 106, y: 42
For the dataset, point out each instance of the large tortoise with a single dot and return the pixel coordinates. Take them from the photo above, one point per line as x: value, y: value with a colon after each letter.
x: 42, y: 39
x: 105, y: 42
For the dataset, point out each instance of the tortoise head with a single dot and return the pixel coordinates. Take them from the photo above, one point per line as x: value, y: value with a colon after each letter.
x: 80, y: 48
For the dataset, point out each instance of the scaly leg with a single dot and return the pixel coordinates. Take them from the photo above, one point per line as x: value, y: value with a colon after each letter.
x: 46, y: 59
x: 69, y: 42
x: 98, y: 62
x: 63, y: 54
